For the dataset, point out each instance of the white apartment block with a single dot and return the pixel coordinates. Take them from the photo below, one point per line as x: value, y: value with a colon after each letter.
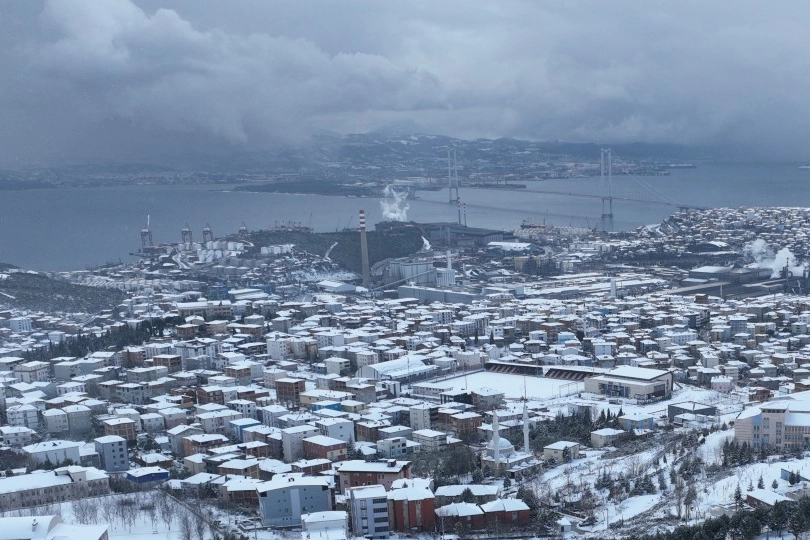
x: 23, y: 415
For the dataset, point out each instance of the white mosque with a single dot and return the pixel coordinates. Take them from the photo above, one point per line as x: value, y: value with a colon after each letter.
x: 500, y: 455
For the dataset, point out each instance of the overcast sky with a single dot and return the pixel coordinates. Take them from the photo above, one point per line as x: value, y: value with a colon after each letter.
x: 141, y: 80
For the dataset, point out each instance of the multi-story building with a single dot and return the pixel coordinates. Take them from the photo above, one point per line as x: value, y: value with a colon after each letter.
x: 201, y: 443
x: 152, y: 423
x: 80, y: 419
x: 783, y: 425
x: 56, y: 421
x: 195, y: 348
x: 123, y: 427
x: 63, y: 484
x: 176, y: 437
x: 465, y: 424
x: 172, y: 362
x: 368, y: 511
x: 356, y: 473
x: 23, y: 415
x: 337, y: 428
x: 20, y: 325
x: 289, y: 390
x: 323, y: 447
x: 292, y: 441
x: 217, y: 421
x: 112, y: 451
x: 33, y: 371
x: 430, y: 440
x: 16, y: 435
x: 392, y: 448
x: 411, y: 509
x: 54, y: 451
x: 286, y: 497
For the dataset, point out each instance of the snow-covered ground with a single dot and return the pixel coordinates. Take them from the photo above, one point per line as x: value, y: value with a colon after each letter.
x: 537, y: 388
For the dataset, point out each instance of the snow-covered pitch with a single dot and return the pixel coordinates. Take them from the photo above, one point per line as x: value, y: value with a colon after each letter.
x: 537, y: 388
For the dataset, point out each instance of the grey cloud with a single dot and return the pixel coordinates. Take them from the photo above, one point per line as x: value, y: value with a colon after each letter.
x: 147, y: 79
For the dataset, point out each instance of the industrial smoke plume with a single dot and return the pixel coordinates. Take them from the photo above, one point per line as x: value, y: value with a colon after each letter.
x: 761, y: 253
x: 394, y: 206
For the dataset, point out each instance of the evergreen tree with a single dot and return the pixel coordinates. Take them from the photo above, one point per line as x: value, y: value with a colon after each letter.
x: 738, y: 497
x: 797, y: 524
x: 778, y: 518
x: 775, y: 484
x: 467, y: 496
x: 760, y: 483
x: 792, y: 479
x: 507, y: 483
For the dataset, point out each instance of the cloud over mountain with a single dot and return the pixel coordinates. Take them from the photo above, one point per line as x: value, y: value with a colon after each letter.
x: 124, y: 80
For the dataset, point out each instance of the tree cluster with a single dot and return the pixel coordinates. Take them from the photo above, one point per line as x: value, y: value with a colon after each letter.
x: 575, y: 427
x: 790, y: 516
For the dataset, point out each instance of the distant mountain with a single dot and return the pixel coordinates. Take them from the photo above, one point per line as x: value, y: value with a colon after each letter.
x: 392, y: 152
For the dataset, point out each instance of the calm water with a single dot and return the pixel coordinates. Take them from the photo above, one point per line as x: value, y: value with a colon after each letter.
x: 68, y: 229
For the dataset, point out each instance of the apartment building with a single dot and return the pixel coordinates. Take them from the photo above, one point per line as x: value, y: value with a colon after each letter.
x: 368, y: 511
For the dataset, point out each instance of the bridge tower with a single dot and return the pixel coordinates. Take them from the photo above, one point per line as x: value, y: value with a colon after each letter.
x: 146, y: 236
x: 606, y: 159
x: 452, y: 177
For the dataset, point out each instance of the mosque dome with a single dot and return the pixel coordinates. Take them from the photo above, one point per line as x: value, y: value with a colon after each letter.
x: 504, y: 446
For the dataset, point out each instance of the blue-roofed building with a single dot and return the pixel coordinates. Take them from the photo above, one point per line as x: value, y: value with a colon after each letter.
x: 147, y: 475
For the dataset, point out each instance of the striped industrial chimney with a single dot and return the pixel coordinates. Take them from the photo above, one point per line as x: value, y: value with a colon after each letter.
x: 364, y: 249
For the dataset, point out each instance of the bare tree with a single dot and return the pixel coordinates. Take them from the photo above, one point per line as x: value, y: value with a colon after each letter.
x: 151, y: 510
x: 79, y: 510
x: 186, y: 526
x: 200, y: 525
x: 166, y: 507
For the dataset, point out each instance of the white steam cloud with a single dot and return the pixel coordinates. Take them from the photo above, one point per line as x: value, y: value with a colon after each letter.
x: 394, y: 206
x: 761, y: 253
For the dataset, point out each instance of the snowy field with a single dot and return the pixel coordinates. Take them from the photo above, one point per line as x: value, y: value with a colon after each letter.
x: 136, y: 516
x: 512, y: 386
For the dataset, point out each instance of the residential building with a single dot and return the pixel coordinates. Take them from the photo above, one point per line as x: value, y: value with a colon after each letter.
x: 561, y: 451
x: 112, y: 451
x: 368, y: 511
x: 289, y: 390
x: 286, y: 497
x: 323, y: 447
x: 356, y: 473
x: 54, y: 451
x: 292, y: 441
x: 411, y: 509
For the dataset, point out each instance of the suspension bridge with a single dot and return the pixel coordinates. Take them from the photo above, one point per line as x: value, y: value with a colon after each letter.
x: 630, y: 187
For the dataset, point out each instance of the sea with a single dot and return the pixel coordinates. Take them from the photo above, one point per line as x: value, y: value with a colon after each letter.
x: 77, y: 228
